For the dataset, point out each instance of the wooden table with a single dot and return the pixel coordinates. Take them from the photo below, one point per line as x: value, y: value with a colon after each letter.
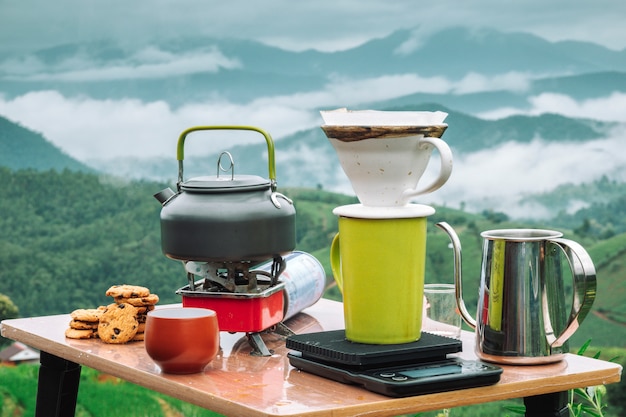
x: 236, y: 383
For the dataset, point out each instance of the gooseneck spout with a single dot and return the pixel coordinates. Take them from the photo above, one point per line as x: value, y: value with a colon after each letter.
x: 458, y: 279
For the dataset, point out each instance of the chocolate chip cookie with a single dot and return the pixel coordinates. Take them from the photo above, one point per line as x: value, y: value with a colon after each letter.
x: 118, y: 324
x: 127, y: 291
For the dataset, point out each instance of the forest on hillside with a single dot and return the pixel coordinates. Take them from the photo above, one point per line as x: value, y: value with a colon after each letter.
x: 65, y: 237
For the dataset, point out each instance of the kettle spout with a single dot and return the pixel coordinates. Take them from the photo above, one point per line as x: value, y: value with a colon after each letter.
x: 458, y: 279
x: 165, y: 195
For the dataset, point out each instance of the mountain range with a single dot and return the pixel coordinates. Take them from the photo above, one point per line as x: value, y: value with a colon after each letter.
x: 307, y: 160
x: 244, y: 70
x: 465, y: 72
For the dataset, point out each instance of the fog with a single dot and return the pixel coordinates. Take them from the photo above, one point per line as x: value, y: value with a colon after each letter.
x: 495, y: 179
x: 86, y: 128
x: 501, y: 179
x: 148, y: 62
x: 611, y: 108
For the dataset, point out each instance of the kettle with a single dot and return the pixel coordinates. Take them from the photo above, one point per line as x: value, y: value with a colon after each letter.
x: 226, y: 217
x: 522, y: 315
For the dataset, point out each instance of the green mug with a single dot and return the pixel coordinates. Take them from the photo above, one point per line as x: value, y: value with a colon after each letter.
x: 378, y: 261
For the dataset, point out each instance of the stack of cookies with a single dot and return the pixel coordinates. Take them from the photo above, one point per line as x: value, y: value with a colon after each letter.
x: 137, y: 297
x: 84, y: 323
x: 120, y: 322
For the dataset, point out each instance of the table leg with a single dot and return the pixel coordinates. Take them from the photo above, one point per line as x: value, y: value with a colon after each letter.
x: 547, y: 405
x: 57, y: 388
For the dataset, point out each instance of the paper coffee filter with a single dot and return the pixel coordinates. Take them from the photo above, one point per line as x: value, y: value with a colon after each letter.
x: 361, y: 211
x: 345, y: 117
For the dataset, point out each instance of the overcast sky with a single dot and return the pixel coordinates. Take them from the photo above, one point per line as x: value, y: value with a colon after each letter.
x: 320, y: 24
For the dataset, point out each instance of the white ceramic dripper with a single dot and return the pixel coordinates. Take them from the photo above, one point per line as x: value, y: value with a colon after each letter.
x: 384, y: 154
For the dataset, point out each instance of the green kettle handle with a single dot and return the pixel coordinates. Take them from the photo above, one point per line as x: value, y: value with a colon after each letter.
x: 180, y: 149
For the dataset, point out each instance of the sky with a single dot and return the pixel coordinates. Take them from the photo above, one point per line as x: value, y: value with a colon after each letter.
x: 324, y: 25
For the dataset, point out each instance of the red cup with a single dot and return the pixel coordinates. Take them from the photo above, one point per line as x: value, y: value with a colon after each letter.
x: 182, y: 340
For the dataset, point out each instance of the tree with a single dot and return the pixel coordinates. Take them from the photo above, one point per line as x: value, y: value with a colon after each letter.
x: 8, y: 310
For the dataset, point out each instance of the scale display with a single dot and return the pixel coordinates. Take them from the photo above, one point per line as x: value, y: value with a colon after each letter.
x: 427, y: 371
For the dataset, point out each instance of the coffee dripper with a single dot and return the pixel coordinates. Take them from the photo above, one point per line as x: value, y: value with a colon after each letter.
x: 385, y: 154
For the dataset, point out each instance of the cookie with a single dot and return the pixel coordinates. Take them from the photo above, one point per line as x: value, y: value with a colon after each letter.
x: 149, y: 300
x: 138, y: 337
x: 84, y: 325
x: 141, y: 327
x: 87, y: 314
x: 127, y: 291
x: 143, y: 310
x: 142, y: 317
x: 118, y: 324
x: 80, y: 333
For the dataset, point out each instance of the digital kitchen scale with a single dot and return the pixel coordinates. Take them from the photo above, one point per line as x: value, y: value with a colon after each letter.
x: 396, y: 370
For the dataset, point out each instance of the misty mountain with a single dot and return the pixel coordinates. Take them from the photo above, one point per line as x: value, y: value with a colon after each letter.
x: 579, y: 86
x: 303, y: 159
x: 21, y: 148
x: 307, y: 159
x: 454, y: 52
x: 187, y: 70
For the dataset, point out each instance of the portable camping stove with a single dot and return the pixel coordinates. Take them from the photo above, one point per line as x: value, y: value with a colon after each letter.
x: 245, y: 300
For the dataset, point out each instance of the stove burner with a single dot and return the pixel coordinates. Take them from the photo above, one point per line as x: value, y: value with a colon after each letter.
x: 235, y: 277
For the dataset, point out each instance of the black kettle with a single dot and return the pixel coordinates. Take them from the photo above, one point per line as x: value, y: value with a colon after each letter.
x: 228, y: 217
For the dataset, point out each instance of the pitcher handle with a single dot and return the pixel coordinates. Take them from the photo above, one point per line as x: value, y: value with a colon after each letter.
x: 335, y: 262
x: 584, y: 292
x: 445, y: 169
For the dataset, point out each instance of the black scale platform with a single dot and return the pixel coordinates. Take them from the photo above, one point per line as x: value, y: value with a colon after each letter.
x: 333, y: 347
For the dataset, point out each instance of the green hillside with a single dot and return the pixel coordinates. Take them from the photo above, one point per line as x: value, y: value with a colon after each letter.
x: 65, y: 237
x: 22, y: 148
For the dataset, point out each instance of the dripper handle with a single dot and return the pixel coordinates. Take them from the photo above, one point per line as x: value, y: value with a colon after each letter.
x: 584, y: 291
x: 445, y: 168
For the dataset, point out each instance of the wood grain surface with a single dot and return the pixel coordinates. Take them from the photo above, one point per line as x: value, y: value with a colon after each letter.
x: 237, y: 383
